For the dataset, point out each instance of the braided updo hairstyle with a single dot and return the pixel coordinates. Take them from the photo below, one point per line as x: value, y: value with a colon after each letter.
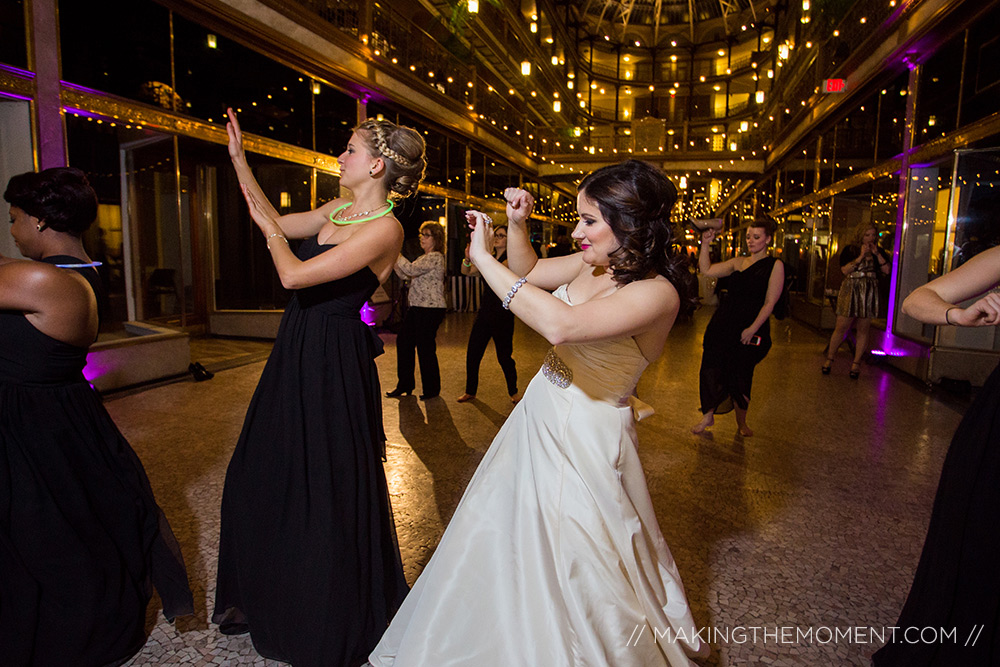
x: 403, y: 150
x: 635, y: 199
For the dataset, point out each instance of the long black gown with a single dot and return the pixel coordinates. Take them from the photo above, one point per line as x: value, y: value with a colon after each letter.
x: 308, y: 558
x: 956, y: 584
x: 727, y: 364
x: 82, y: 540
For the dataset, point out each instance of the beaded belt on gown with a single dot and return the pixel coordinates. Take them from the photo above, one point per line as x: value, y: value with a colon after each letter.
x: 559, y: 374
x: 556, y: 370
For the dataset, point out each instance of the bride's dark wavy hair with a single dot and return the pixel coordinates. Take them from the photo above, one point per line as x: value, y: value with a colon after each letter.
x: 635, y: 199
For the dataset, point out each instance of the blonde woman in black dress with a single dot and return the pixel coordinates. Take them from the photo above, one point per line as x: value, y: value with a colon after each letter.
x: 308, y: 559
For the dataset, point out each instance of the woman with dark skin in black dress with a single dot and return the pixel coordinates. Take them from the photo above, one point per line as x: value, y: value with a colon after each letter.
x: 82, y: 540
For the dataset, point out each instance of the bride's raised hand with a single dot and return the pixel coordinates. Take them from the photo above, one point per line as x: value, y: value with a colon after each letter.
x: 519, y: 205
x: 236, y: 152
x: 481, y: 243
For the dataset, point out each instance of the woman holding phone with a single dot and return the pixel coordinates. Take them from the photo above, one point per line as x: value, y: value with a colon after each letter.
x: 857, y: 302
x: 738, y: 336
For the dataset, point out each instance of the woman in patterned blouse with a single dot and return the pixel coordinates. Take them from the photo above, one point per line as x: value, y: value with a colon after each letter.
x: 423, y: 317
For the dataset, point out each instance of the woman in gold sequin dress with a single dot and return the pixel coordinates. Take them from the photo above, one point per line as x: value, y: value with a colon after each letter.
x: 554, y: 556
x: 857, y: 302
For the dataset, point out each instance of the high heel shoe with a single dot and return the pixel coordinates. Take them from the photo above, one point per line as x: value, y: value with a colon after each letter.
x: 397, y: 392
x: 855, y: 371
x: 827, y: 366
x: 199, y: 372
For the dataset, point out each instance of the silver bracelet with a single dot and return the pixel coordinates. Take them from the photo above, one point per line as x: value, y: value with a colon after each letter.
x: 280, y: 236
x: 513, y: 290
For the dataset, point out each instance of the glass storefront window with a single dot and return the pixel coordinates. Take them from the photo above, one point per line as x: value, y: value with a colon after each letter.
x: 214, y: 73
x: 939, y: 92
x: 336, y: 116
x: 499, y: 176
x: 950, y: 219
x: 982, y: 69
x: 127, y: 49
x: 13, y: 44
x: 95, y: 148
x: 477, y: 174
x: 327, y: 187
x: 435, y: 154
x: 244, y: 273
x: 924, y: 254
x: 456, y: 165
x: 829, y: 227
x: 379, y: 110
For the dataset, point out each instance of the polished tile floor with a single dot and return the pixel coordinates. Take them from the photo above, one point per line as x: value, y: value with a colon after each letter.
x: 810, y: 528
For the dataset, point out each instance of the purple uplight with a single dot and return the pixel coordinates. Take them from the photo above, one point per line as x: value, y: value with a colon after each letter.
x: 97, y: 367
x: 368, y: 314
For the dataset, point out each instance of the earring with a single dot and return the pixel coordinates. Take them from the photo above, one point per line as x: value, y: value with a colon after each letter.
x: 371, y: 172
x: 39, y: 226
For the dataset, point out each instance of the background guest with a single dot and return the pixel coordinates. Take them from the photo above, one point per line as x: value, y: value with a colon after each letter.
x: 492, y: 322
x: 861, y: 263
x: 738, y: 336
x: 424, y: 315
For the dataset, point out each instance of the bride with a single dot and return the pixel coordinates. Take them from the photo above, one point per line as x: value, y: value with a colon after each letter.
x: 554, y: 556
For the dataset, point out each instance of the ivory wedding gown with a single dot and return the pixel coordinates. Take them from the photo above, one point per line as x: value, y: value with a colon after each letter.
x: 553, y: 556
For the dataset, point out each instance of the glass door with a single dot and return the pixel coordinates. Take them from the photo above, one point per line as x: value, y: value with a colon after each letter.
x: 159, y: 221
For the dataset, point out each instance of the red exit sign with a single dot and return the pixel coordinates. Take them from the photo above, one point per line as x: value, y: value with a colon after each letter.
x: 834, y: 85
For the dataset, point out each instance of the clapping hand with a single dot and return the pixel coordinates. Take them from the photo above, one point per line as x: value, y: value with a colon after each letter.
x: 519, y: 205
x: 481, y: 244
x: 259, y: 213
x: 236, y: 152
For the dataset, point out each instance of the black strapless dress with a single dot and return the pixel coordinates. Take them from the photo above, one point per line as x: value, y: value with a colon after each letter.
x: 82, y: 540
x: 308, y: 558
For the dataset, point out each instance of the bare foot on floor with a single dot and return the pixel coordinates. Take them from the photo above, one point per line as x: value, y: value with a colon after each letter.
x: 705, y: 423
x: 465, y: 398
x: 745, y: 431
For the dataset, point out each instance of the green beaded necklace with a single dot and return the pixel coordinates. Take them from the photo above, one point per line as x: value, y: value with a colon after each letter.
x: 348, y: 220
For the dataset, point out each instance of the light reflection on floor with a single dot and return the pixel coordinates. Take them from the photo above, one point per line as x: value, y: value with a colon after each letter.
x: 817, y: 520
